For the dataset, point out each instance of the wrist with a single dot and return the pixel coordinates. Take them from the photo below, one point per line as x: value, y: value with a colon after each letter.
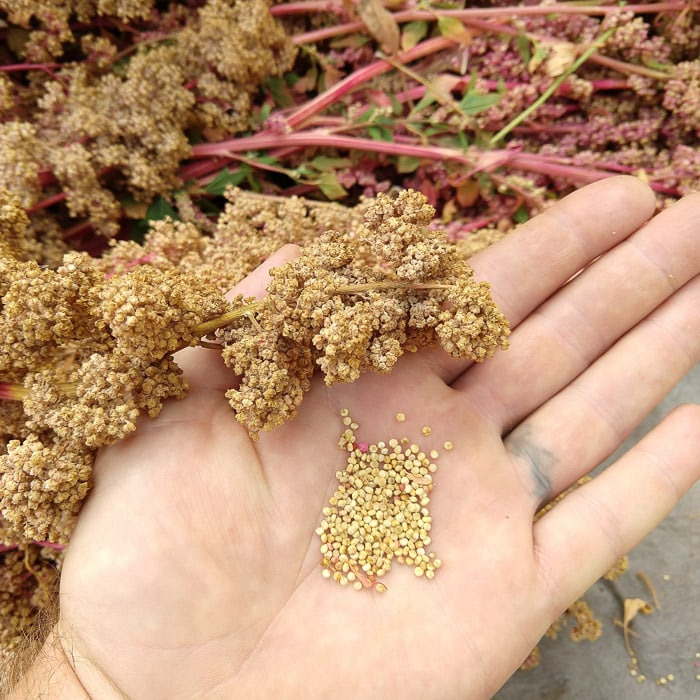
x: 51, y: 675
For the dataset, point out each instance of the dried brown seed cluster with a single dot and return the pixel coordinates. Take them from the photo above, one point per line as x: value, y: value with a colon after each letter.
x: 586, y: 626
x: 356, y: 302
x: 249, y: 230
x: 120, y: 118
x: 379, y: 513
x: 82, y: 356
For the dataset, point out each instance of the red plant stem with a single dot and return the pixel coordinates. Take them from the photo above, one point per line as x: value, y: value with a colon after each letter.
x: 306, y: 6
x: 46, y: 177
x: 482, y: 13
x: 50, y: 545
x: 474, y: 224
x: 327, y: 33
x: 12, y: 392
x: 197, y: 170
x: 628, y: 68
x: 362, y: 75
x: 47, y: 202
x: 77, y: 230
x: 47, y: 67
x: 489, y: 160
x: 480, y: 162
x: 38, y: 543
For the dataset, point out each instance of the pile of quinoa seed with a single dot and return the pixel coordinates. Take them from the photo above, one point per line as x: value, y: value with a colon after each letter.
x: 379, y: 512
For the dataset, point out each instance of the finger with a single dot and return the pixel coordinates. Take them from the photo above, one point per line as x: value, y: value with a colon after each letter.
x: 583, y: 424
x: 530, y: 264
x: 204, y: 368
x: 588, y: 531
x: 570, y: 330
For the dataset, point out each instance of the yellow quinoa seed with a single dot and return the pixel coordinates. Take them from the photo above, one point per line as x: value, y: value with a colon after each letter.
x: 378, y: 514
x: 427, y: 430
x: 400, y: 417
x: 448, y: 445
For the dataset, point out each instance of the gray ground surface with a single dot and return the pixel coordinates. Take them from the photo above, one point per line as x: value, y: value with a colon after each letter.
x: 668, y: 641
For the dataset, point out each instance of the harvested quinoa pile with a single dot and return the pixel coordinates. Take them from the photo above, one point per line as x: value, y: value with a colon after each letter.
x: 379, y: 512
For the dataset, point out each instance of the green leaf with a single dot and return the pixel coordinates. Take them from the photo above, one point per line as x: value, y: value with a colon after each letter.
x: 522, y: 44
x: 323, y: 163
x: 264, y: 158
x: 302, y: 171
x: 330, y: 186
x: 521, y: 214
x: 425, y: 101
x: 539, y: 55
x: 264, y: 112
x: 367, y: 115
x: 452, y: 28
x: 277, y: 87
x: 474, y: 102
x: 396, y: 106
x: 407, y: 164
x: 208, y: 207
x: 651, y: 62
x: 380, y: 133
x: 412, y: 33
x: 438, y: 129
x: 225, y: 178
x: 160, y: 209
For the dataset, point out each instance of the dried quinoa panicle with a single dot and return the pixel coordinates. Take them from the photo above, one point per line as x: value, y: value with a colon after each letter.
x: 355, y: 302
x: 379, y: 513
x: 120, y: 118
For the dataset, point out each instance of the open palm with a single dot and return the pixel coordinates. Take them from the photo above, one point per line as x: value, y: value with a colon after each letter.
x: 194, y: 568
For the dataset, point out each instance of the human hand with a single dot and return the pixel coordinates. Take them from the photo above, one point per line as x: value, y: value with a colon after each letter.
x: 193, y: 571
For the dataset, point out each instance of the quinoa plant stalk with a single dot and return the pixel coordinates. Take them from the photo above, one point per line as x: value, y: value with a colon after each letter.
x: 12, y: 392
x: 471, y: 16
x: 220, y: 321
x: 14, y: 67
x: 309, y: 6
x: 487, y: 161
x: 251, y: 308
x: 628, y: 68
x: 363, y: 75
